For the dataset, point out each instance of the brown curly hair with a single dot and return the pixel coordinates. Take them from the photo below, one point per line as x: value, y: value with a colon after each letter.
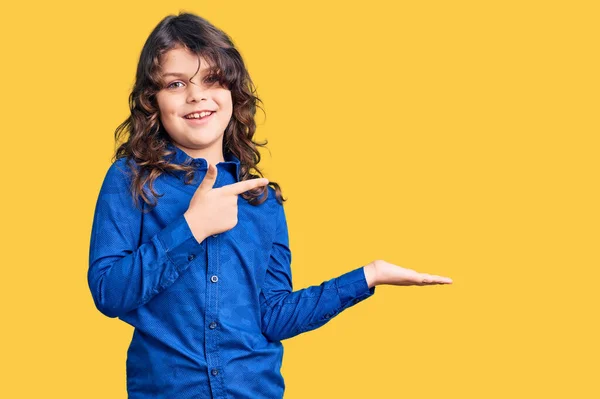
x: 147, y: 142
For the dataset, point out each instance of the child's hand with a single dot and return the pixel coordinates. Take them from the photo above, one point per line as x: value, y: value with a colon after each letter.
x: 387, y: 273
x: 214, y: 210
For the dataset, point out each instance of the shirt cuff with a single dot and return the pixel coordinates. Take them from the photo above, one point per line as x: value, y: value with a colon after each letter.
x: 352, y: 287
x: 179, y: 243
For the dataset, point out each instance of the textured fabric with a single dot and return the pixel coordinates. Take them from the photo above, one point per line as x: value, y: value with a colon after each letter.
x: 209, y: 316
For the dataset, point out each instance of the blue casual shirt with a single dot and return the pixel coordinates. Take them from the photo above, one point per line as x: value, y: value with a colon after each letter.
x: 209, y: 316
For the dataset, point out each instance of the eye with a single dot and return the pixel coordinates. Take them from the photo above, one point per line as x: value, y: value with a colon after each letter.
x: 171, y: 85
x: 211, y: 78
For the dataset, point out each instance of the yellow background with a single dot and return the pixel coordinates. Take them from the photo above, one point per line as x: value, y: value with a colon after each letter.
x: 457, y: 138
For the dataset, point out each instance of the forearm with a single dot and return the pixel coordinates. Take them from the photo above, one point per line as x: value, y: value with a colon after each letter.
x: 122, y: 279
x: 287, y: 314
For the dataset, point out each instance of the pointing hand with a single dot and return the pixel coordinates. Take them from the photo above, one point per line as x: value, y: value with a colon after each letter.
x: 214, y: 210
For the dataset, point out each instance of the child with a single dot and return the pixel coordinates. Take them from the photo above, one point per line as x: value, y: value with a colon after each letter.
x: 203, y: 274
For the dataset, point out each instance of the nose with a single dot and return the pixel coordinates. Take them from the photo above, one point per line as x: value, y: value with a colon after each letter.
x: 196, y: 92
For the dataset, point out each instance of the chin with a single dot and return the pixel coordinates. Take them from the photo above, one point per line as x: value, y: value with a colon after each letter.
x: 204, y: 141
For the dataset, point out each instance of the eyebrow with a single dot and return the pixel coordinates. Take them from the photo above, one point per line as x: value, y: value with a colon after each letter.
x: 207, y: 70
x: 173, y: 74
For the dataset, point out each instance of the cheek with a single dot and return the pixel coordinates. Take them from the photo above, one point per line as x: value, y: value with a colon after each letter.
x: 225, y: 101
x: 167, y: 107
x: 170, y: 109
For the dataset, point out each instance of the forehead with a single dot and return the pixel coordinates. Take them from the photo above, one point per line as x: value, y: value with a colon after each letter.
x: 182, y: 60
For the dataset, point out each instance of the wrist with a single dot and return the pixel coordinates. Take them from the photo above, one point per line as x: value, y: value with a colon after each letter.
x: 198, y: 235
x: 371, y: 274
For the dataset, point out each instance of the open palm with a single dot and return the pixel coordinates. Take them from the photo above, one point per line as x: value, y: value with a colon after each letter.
x: 388, y: 273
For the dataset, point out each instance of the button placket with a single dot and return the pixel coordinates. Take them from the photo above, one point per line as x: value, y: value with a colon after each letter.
x: 212, y: 334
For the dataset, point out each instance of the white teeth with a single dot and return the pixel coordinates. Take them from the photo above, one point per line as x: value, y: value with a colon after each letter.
x: 198, y: 115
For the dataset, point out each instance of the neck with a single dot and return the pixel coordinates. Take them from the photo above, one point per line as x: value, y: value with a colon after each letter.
x: 212, y: 155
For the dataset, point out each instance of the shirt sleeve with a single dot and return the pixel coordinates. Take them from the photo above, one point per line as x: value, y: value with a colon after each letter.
x: 123, y: 273
x: 286, y: 313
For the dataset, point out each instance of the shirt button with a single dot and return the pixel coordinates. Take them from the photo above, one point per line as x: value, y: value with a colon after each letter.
x: 214, y: 235
x: 212, y: 325
x: 356, y: 300
x: 214, y: 279
x: 191, y: 257
x: 214, y: 372
x: 327, y: 315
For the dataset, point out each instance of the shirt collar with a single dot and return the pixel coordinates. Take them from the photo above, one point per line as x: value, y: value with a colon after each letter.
x: 181, y: 157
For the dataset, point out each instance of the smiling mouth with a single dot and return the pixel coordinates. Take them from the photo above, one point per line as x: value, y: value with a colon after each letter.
x: 199, y: 116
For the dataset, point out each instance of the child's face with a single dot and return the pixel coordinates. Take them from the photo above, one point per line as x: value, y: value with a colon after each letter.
x: 188, y: 93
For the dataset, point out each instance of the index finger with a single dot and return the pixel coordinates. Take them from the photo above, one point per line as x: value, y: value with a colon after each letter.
x: 243, y: 186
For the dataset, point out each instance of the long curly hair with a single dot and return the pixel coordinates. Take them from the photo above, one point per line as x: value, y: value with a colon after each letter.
x: 146, y: 144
